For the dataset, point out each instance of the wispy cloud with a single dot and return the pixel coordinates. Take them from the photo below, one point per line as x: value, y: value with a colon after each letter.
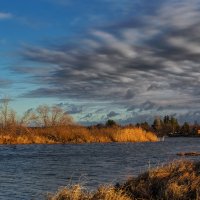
x: 5, y: 15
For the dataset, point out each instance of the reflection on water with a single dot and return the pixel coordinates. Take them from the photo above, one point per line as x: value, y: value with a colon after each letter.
x: 29, y: 171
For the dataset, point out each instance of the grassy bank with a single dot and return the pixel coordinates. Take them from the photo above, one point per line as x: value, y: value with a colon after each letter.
x: 73, y: 134
x: 176, y: 181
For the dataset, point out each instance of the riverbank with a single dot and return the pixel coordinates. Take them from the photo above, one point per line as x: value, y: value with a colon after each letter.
x: 178, y: 180
x: 74, y: 134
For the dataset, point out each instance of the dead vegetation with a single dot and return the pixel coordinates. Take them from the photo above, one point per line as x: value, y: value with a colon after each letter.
x: 178, y: 180
x: 77, y: 192
x: 73, y: 134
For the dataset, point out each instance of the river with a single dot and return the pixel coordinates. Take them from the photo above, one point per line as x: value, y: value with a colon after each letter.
x: 30, y: 171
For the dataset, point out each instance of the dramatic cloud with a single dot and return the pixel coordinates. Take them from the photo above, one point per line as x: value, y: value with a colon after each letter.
x: 147, y: 63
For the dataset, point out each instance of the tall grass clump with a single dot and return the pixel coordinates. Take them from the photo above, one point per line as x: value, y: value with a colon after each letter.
x: 133, y: 135
x: 122, y: 134
x: 178, y: 180
x: 77, y: 192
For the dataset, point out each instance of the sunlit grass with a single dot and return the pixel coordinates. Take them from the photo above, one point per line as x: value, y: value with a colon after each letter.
x: 74, y: 134
x: 178, y: 180
x: 77, y: 192
x: 133, y: 135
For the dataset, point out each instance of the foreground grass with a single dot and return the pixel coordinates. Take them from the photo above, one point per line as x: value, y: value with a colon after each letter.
x: 77, y: 192
x: 179, y: 180
x: 74, y: 134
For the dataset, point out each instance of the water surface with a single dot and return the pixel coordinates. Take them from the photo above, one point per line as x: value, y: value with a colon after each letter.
x: 29, y: 171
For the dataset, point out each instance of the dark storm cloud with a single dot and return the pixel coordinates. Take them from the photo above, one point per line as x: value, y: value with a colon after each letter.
x: 147, y: 105
x: 74, y: 109
x: 87, y: 116
x: 156, y: 86
x: 112, y: 114
x: 137, y: 119
x: 129, y: 94
x: 132, y: 107
x: 191, y: 116
x: 156, y: 59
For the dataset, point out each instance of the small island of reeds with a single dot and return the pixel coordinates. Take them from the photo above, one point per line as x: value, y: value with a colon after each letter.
x: 52, y: 125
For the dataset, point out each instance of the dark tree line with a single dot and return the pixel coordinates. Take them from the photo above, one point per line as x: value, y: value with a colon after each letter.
x: 169, y: 125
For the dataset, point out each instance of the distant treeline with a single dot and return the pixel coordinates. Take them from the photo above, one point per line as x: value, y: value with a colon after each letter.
x: 169, y: 125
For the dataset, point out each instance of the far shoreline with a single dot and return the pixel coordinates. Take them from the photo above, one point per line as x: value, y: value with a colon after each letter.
x: 181, y: 135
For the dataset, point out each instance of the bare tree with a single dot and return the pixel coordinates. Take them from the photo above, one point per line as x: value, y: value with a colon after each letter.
x: 28, y: 117
x: 59, y: 117
x: 4, y: 110
x: 52, y: 116
x: 56, y: 114
x: 46, y: 116
x: 43, y: 114
x: 12, y: 119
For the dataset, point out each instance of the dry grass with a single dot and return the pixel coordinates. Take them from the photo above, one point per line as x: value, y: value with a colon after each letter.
x: 133, y: 135
x: 24, y: 139
x: 77, y: 192
x: 74, y: 134
x: 22, y: 135
x: 179, y: 180
x: 118, y: 134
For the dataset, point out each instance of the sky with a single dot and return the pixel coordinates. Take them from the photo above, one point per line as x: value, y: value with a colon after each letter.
x: 126, y: 60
